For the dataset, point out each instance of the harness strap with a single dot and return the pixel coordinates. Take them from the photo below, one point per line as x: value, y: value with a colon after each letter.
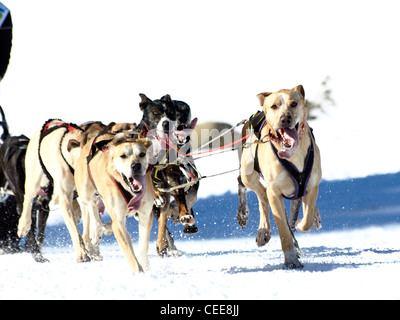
x: 93, y: 150
x: 300, y: 179
x: 49, y: 127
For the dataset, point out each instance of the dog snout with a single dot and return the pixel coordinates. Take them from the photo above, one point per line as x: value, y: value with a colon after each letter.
x: 286, y: 120
x: 136, y: 167
x: 165, y: 125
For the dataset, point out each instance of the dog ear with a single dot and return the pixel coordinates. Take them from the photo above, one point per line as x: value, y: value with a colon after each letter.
x: 261, y: 97
x: 166, y: 98
x: 300, y: 90
x: 119, y: 138
x: 145, y: 101
x: 193, y: 123
x: 72, y: 144
x: 145, y: 141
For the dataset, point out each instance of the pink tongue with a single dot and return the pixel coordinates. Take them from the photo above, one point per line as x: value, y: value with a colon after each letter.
x: 165, y: 141
x: 289, y: 137
x: 136, y: 201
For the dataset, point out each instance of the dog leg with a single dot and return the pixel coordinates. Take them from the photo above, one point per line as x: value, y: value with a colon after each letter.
x: 294, y: 213
x: 243, y: 211
x: 162, y: 229
x: 311, y: 218
x: 124, y: 240
x: 43, y: 216
x: 86, y: 224
x: 33, y: 179
x: 34, y: 245
x: 69, y: 218
x: 184, y: 216
x: 145, y: 224
x: 25, y: 221
x: 252, y: 182
x: 288, y: 242
x: 161, y: 214
x: 92, y: 230
x: 32, y: 186
x: 96, y: 232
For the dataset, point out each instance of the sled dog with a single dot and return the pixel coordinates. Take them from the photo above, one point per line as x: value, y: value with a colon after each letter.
x: 50, y: 160
x: 115, y: 167
x: 284, y: 152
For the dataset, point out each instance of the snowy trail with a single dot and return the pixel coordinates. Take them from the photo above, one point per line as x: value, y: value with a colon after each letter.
x: 353, y: 264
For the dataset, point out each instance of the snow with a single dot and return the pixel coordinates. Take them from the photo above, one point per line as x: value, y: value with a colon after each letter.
x: 356, y: 264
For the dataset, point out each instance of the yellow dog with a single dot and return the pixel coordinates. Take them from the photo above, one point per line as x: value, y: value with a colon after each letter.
x: 287, y: 157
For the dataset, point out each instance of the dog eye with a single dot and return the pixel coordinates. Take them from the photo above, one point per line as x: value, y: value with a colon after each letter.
x: 142, y: 154
x: 124, y: 156
x: 274, y: 107
x: 293, y: 104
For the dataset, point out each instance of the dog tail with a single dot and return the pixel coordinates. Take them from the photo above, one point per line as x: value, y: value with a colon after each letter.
x: 4, y: 125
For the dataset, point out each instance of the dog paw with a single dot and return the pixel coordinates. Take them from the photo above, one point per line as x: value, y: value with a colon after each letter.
x: 243, y: 216
x: 190, y: 229
x: 145, y: 264
x: 263, y: 237
x: 37, y: 256
x: 94, y: 252
x: 174, y: 253
x: 160, y: 200
x: 302, y: 228
x: 162, y: 253
x: 292, y: 259
x: 23, y: 227
x: 188, y: 219
x: 83, y: 257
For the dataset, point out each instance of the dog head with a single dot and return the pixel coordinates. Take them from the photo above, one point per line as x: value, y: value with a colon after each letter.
x: 286, y: 114
x: 184, y: 123
x: 158, y: 118
x: 120, y: 127
x: 158, y: 115
x: 129, y: 161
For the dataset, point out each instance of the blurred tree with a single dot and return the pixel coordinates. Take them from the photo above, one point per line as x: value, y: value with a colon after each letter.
x: 322, y: 102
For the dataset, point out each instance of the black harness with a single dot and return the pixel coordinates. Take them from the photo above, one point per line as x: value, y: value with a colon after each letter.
x: 300, y: 179
x: 45, y: 131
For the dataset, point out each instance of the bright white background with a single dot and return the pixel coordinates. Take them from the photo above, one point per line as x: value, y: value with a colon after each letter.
x: 89, y: 60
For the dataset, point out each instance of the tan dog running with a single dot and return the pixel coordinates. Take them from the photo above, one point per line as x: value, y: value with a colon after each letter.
x: 115, y: 167
x: 50, y: 161
x: 288, y: 158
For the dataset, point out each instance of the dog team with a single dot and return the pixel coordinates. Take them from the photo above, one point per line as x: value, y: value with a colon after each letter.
x: 147, y: 169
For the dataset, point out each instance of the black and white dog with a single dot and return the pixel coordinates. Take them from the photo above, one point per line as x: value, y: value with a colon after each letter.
x: 12, y: 180
x: 169, y: 121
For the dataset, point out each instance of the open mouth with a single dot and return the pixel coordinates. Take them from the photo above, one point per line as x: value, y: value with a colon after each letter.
x: 135, y: 183
x: 137, y: 186
x: 182, y: 136
x: 289, y: 139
